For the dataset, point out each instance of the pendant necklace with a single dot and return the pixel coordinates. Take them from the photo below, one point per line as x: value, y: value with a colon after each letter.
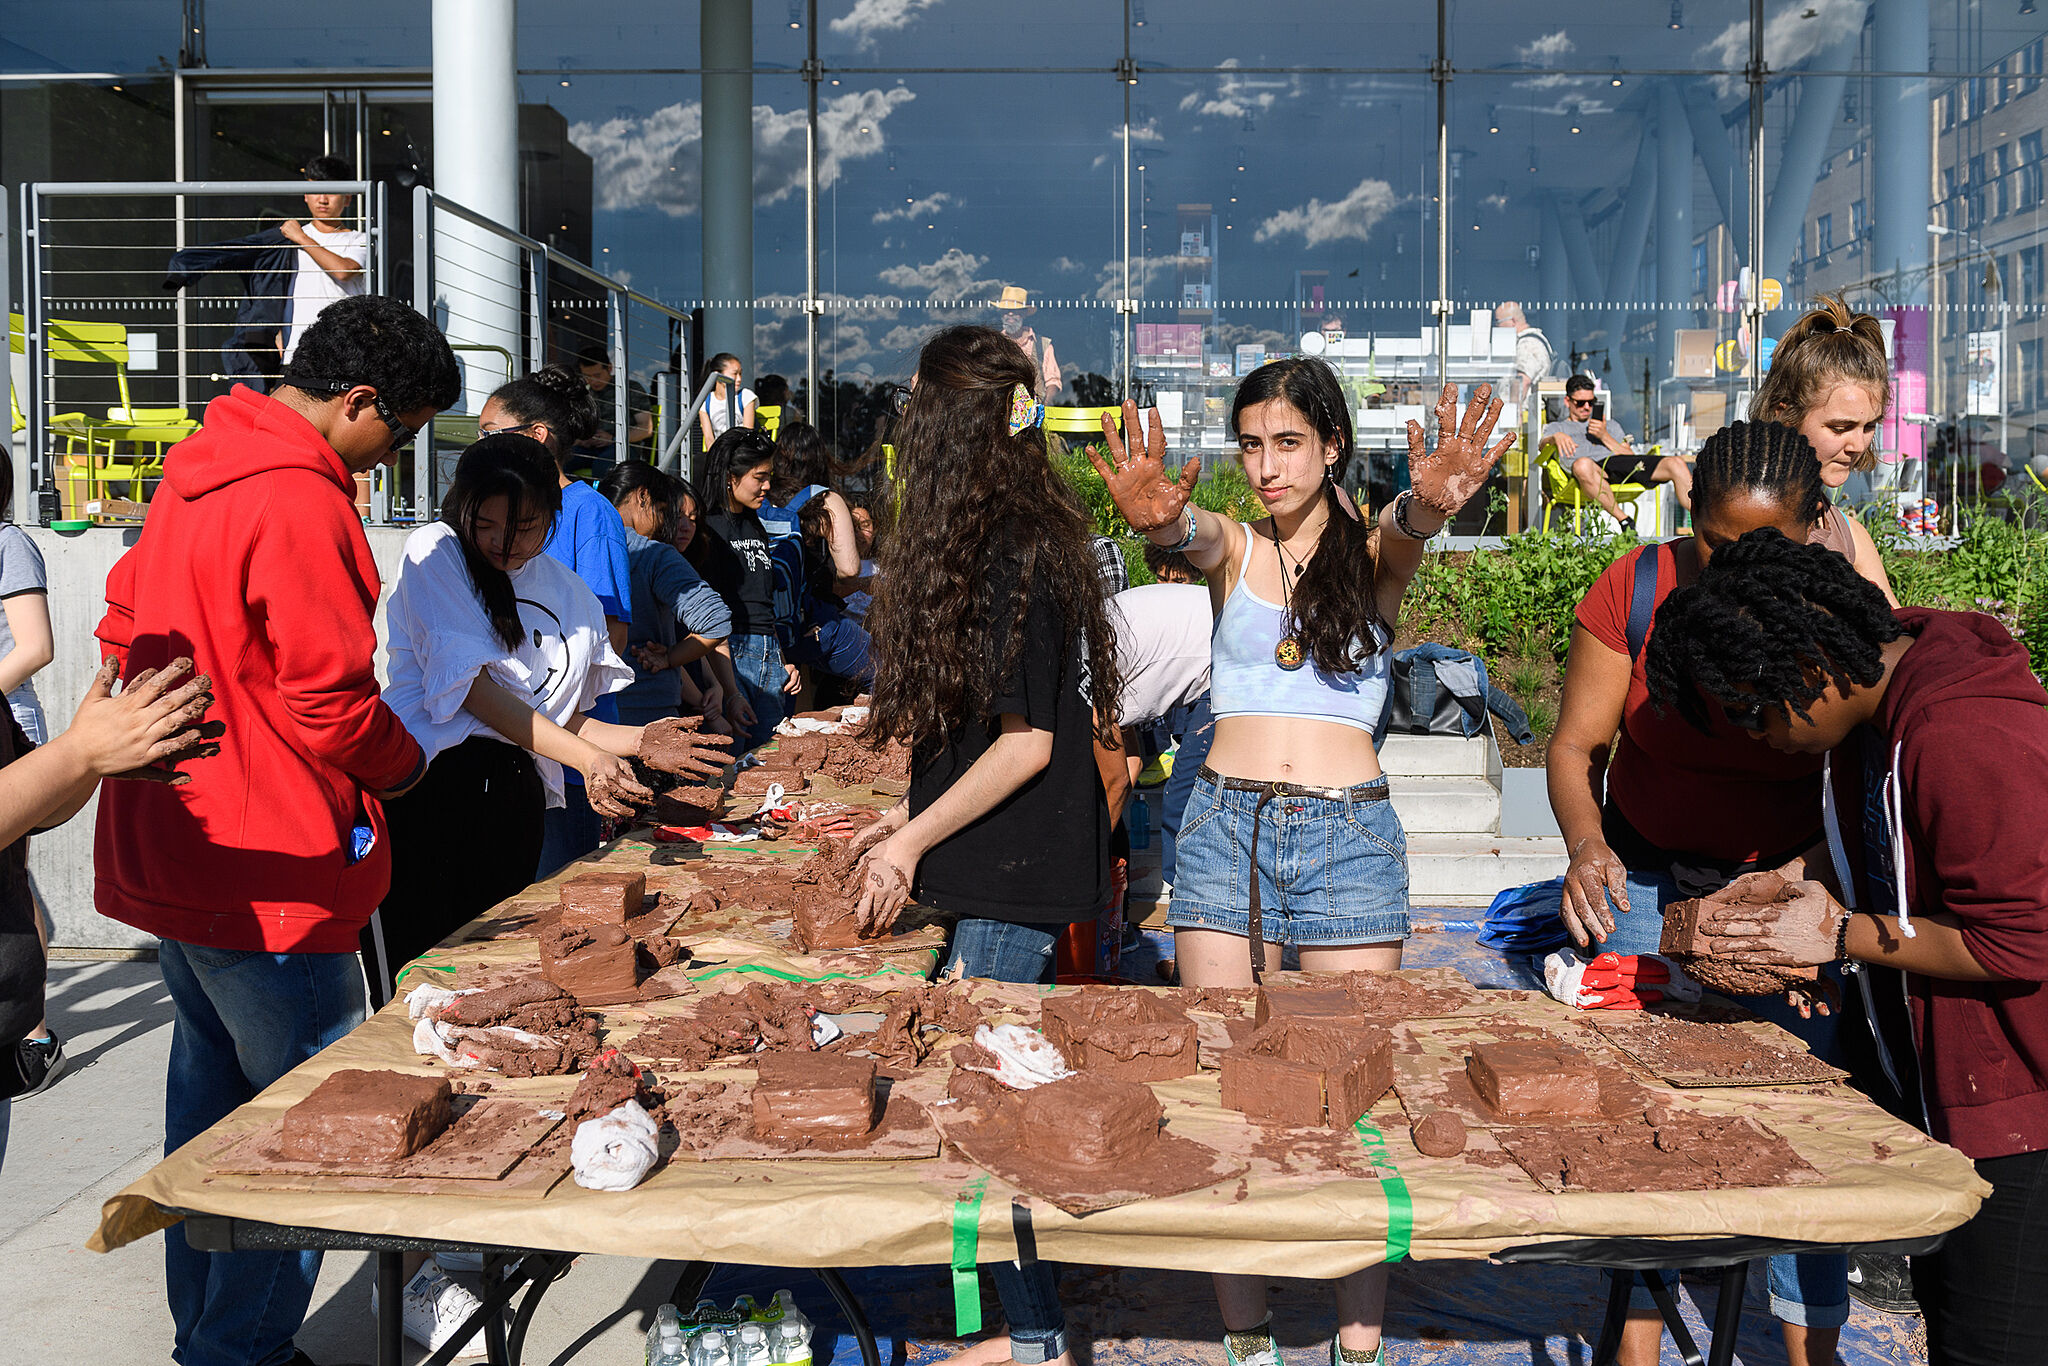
x: 1287, y: 653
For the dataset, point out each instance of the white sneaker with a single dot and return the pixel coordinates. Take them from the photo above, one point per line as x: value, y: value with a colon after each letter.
x: 435, y: 1306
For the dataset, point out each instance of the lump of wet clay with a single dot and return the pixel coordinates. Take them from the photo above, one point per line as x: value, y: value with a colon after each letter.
x: 673, y: 745
x: 591, y: 961
x: 1534, y: 1077
x: 1439, y: 1133
x: 1309, y: 1072
x: 1332, y: 1002
x: 1121, y: 1033
x: 602, y: 898
x: 804, y: 753
x: 1090, y: 1121
x: 1683, y: 940
x: 687, y: 806
x: 608, y: 1082
x: 813, y: 1095
x: 825, y: 893
x: 534, y: 1004
x: 755, y: 782
x: 358, y: 1116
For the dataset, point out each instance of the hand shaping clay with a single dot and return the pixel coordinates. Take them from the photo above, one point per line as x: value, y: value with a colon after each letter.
x: 1534, y: 1077
x: 813, y: 1095
x: 1439, y: 1134
x: 825, y: 893
x: 1683, y: 940
x: 1121, y: 1033
x: 602, y: 898
x: 1309, y: 1072
x: 672, y: 745
x: 589, y: 962
x: 357, y: 1116
x: 1085, y: 1121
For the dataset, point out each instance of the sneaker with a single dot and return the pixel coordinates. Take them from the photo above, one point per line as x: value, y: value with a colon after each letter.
x: 1884, y: 1281
x: 1259, y: 1347
x: 436, y: 1305
x: 41, y: 1062
x: 1378, y: 1357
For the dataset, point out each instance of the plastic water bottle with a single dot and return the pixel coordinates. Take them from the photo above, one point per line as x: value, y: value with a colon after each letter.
x: 789, y: 1344
x: 1141, y: 823
x: 753, y: 1346
x: 666, y: 1345
x: 785, y: 1311
x: 709, y: 1348
x: 745, y: 1310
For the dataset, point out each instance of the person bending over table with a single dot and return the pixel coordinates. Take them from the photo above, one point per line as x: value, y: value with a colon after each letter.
x: 1306, y: 601
x: 996, y: 663
x: 1936, y: 740
x: 1596, y: 452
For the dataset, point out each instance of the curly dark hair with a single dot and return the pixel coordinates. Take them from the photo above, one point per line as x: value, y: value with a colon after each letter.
x: 555, y: 397
x: 369, y: 339
x: 976, y: 500
x: 1765, y: 458
x: 519, y: 469
x: 1769, y: 623
x: 1335, y: 602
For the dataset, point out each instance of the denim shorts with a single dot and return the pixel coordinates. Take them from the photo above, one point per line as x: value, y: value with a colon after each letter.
x: 1331, y: 872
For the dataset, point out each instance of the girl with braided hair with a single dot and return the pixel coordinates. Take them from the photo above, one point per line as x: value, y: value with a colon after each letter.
x: 1305, y: 599
x: 1830, y: 381
x: 1679, y: 812
x: 1936, y: 745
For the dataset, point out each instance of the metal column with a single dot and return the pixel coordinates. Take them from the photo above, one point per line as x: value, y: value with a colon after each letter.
x: 1674, y: 230
x: 727, y: 45
x: 476, y: 163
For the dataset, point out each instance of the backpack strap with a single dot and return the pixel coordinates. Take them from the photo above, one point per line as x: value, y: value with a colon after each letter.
x: 1642, y: 602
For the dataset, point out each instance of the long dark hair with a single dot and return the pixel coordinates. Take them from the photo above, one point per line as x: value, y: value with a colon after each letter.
x: 1336, y: 600
x: 1765, y: 458
x: 629, y: 477
x: 737, y: 450
x: 975, y: 495
x: 519, y: 469
x: 557, y: 397
x: 801, y: 459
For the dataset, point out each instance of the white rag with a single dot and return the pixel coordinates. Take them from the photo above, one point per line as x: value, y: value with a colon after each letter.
x: 1024, y: 1057
x: 427, y: 999
x: 615, y: 1151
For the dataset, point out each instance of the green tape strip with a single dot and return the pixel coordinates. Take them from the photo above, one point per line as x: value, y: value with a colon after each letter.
x: 422, y: 964
x: 966, y: 1267
x: 801, y: 977
x: 1400, y: 1207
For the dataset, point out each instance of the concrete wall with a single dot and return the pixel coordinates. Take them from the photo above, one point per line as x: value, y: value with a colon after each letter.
x: 60, y: 863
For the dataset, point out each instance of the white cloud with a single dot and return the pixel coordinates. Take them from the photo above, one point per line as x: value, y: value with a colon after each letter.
x: 1146, y: 271
x: 1789, y: 37
x: 1547, y: 50
x: 871, y: 17
x: 1148, y: 131
x: 953, y: 276
x: 1066, y: 265
x: 1496, y: 202
x: 1237, y: 95
x: 916, y: 208
x: 1353, y: 217
x: 657, y: 161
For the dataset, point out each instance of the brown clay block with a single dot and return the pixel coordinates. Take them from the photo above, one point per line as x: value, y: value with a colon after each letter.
x: 809, y: 1095
x: 687, y: 806
x: 804, y: 753
x: 358, y: 1116
x: 1681, y: 929
x: 1121, y: 1033
x: 1332, y: 1002
x: 1309, y: 1072
x: 1534, y: 1077
x: 604, y: 898
x: 1086, y: 1121
x: 756, y: 781
x: 590, y: 961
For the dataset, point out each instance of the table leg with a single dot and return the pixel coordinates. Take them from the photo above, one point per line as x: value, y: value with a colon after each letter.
x: 1728, y: 1314
x: 856, y: 1317
x: 498, y: 1293
x: 552, y: 1269
x: 495, y: 1271
x: 390, y: 1308
x: 1688, y: 1350
x: 1619, y: 1286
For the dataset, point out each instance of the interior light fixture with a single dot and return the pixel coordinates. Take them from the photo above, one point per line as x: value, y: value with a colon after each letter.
x: 565, y: 82
x: 1137, y: 16
x: 1492, y: 119
x: 1615, y: 79
x: 1678, y: 14
x: 2027, y: 7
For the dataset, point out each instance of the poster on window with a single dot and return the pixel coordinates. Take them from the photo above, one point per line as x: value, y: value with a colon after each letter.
x: 1983, y: 374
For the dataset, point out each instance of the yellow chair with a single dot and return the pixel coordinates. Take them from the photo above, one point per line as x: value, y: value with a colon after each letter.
x: 75, y: 342
x: 1085, y: 422
x: 768, y: 419
x: 1560, y: 487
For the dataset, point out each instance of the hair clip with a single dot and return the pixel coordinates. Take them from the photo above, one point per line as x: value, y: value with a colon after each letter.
x: 1025, y: 411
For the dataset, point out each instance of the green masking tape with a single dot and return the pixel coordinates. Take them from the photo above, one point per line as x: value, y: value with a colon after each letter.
x: 422, y: 964
x: 966, y: 1270
x: 804, y: 977
x: 1400, y: 1208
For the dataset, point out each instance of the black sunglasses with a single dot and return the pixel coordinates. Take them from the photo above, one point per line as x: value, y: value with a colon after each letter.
x: 401, y: 435
x: 1749, y: 716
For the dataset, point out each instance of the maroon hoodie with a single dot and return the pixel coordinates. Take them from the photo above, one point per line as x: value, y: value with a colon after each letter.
x: 1963, y: 731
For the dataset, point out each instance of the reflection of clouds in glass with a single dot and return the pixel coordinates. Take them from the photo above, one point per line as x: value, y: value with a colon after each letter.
x: 1352, y: 217
x: 916, y: 208
x: 657, y: 161
x: 1789, y: 37
x: 1547, y: 50
x: 952, y: 276
x: 1145, y: 271
x: 1238, y: 95
x: 1066, y: 265
x: 870, y: 17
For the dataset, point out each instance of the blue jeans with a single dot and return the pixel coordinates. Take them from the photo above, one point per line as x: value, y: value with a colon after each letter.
x: 1810, y: 1288
x: 1197, y: 732
x: 757, y: 660
x: 569, y: 831
x: 1004, y: 952
x: 242, y: 1020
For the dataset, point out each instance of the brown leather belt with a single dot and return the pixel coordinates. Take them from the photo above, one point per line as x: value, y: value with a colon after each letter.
x: 1377, y: 790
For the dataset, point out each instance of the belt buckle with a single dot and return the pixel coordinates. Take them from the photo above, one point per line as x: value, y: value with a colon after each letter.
x: 1276, y: 788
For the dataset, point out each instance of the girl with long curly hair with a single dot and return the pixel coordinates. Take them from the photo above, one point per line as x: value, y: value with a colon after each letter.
x: 995, y: 662
x: 1289, y: 837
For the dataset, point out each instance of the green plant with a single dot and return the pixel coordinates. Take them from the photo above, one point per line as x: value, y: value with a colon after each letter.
x: 1542, y: 720
x: 1525, y: 678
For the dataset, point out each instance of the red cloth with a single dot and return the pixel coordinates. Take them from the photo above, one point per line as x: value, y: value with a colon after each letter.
x: 1966, y: 715
x: 1727, y: 795
x: 253, y: 561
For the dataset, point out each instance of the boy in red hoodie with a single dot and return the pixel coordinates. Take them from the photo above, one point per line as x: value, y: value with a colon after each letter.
x: 1936, y: 740
x: 259, y: 873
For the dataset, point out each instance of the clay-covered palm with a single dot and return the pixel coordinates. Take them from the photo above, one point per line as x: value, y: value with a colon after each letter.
x: 1446, y: 477
x: 1762, y: 918
x: 1138, y: 481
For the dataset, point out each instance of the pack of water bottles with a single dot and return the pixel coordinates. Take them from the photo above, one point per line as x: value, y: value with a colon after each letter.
x: 748, y: 1334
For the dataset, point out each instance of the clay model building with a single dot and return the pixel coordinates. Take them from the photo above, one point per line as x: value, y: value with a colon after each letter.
x: 825, y: 894
x: 1534, y: 1077
x: 357, y: 1116
x: 1305, y: 1001
x: 1123, y: 1033
x: 1089, y: 1121
x: 591, y: 961
x: 813, y: 1095
x: 1309, y: 1072
x: 610, y: 897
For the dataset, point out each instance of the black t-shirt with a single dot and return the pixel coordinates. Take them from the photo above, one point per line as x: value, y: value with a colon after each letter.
x: 21, y: 952
x: 738, y: 566
x: 1041, y: 856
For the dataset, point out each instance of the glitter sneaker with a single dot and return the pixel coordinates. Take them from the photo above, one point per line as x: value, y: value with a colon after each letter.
x: 1378, y: 1357
x: 1255, y: 1347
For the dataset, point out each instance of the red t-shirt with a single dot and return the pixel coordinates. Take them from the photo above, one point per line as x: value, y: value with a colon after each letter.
x: 1728, y: 795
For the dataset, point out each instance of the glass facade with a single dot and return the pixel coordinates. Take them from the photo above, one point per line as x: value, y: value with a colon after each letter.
x: 1184, y: 188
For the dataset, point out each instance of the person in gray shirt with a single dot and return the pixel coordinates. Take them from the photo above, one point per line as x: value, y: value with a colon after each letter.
x: 1597, y: 453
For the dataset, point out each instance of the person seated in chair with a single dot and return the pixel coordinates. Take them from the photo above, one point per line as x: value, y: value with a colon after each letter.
x: 1580, y: 437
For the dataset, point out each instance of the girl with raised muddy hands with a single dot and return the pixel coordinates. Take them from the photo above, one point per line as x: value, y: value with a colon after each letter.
x: 1289, y: 837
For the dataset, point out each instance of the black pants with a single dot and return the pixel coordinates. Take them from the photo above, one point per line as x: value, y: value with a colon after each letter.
x: 1985, y: 1292
x: 465, y: 838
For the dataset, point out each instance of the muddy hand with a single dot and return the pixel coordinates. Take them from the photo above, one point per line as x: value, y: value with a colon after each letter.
x: 1799, y: 930
x: 1137, y: 481
x: 1447, y: 477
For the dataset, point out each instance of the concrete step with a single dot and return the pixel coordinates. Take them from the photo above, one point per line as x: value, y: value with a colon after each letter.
x: 1470, y: 870
x: 1454, y: 806
x: 1439, y: 756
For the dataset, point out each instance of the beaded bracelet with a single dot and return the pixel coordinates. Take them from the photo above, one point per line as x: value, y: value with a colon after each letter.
x: 1842, y: 939
x: 1186, y: 540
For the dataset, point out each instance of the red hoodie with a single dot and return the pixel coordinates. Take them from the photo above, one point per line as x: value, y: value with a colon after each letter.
x: 1963, y: 732
x: 253, y: 561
